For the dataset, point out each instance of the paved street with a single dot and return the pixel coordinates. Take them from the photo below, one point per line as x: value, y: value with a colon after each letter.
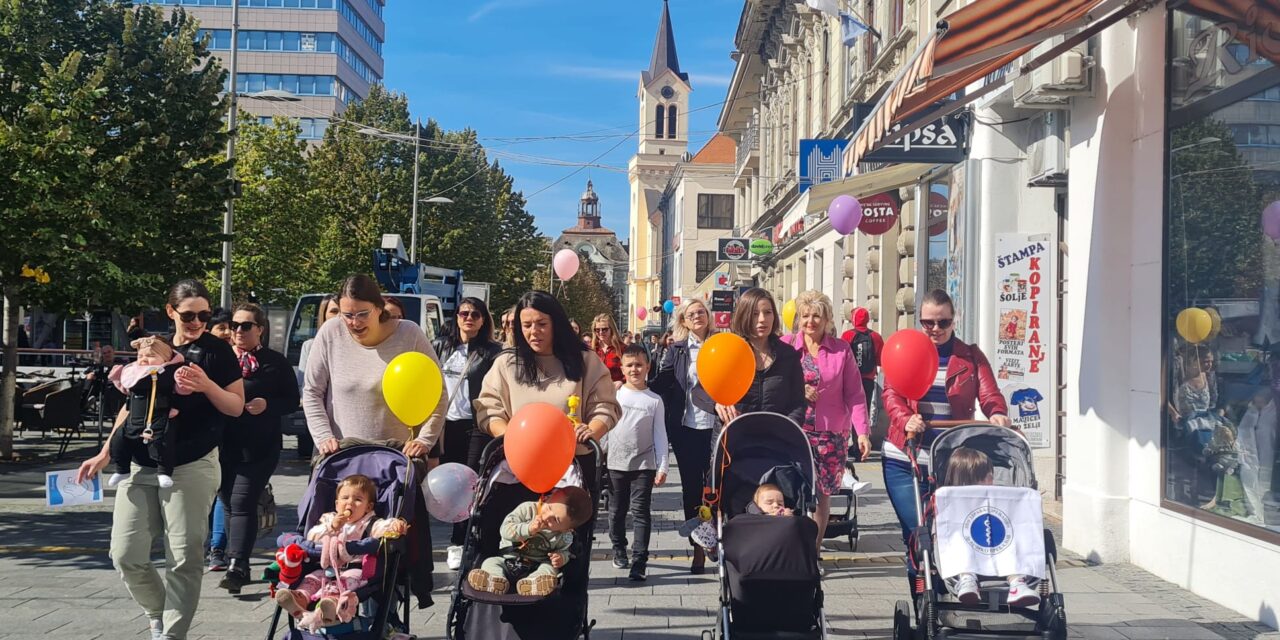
x: 55, y: 578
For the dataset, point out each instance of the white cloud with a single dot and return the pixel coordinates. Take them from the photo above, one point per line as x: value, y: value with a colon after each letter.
x: 595, y: 72
x: 498, y: 5
x: 708, y: 80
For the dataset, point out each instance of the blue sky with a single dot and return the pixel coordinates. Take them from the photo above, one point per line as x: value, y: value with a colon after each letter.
x: 534, y: 68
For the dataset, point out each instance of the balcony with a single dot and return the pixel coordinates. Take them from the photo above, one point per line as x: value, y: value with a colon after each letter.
x: 748, y: 147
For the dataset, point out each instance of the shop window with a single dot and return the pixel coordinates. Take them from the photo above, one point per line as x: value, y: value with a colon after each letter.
x: 936, y: 227
x: 1222, y: 291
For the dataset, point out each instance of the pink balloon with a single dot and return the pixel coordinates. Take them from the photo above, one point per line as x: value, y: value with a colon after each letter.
x: 845, y: 213
x: 565, y: 263
x: 1271, y: 220
x: 642, y: 313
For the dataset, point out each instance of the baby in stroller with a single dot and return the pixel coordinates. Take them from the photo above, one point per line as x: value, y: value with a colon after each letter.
x: 972, y: 467
x: 350, y: 527
x: 149, y: 384
x: 536, y: 539
x: 770, y: 501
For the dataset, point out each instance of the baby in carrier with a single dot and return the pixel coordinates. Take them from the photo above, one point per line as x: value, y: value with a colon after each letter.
x: 149, y: 385
x: 971, y: 467
x: 351, y: 526
x: 536, y: 539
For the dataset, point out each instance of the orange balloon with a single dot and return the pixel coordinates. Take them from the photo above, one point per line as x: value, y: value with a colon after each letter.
x: 726, y: 367
x: 539, y: 445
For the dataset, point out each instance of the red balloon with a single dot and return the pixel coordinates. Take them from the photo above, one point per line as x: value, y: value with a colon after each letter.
x: 910, y: 362
x: 539, y: 445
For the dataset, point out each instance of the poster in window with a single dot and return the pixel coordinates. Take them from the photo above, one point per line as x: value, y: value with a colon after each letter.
x: 1024, y: 359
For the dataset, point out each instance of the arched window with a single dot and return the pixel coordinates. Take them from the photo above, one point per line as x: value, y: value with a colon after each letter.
x: 657, y: 122
x: 671, y: 121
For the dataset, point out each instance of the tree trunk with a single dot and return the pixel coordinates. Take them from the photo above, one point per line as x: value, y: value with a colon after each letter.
x: 9, y: 382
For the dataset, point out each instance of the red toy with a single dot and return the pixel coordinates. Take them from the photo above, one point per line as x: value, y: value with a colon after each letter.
x: 290, y: 559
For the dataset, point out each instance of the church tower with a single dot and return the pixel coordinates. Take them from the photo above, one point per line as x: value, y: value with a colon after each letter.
x: 663, y: 97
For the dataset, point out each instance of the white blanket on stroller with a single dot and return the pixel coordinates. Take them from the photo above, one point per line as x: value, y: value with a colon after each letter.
x: 989, y: 531
x: 502, y: 473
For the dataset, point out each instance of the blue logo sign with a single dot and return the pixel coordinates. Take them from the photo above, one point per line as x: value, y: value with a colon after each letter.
x: 821, y: 161
x: 988, y: 531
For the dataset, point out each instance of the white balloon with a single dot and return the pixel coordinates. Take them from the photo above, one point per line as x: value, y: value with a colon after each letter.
x: 449, y: 490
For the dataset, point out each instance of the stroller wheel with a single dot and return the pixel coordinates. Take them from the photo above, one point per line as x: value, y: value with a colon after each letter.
x: 902, y: 621
x: 853, y: 542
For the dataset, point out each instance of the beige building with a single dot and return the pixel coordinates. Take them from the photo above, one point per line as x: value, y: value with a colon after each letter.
x: 326, y: 52
x: 663, y: 99
x: 697, y: 210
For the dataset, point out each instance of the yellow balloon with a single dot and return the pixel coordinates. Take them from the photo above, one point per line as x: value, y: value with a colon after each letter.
x: 788, y: 316
x: 411, y: 386
x: 1217, y: 322
x: 1195, y: 325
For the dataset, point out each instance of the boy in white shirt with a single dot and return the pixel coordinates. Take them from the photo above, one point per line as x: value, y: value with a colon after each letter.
x: 637, y: 461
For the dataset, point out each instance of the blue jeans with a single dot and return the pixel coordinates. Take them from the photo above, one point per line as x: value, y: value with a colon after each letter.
x: 898, y: 484
x: 218, y: 526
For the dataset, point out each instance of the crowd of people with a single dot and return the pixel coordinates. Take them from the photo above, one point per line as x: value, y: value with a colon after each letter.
x: 640, y: 397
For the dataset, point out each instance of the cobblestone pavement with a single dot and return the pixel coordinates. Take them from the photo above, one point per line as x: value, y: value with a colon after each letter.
x: 56, y: 579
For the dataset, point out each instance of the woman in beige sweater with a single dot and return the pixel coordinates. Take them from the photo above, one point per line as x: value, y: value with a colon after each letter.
x: 548, y: 364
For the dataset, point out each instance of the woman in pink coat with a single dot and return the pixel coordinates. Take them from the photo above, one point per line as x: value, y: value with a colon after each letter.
x: 833, y: 388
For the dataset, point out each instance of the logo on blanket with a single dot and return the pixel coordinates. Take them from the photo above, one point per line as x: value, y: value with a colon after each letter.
x: 988, y: 530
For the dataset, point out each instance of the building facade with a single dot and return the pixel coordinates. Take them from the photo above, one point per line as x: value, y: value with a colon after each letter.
x: 328, y: 53
x: 599, y: 246
x: 663, y: 100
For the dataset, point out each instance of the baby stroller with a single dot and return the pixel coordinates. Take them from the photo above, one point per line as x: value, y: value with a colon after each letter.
x: 769, y: 581
x: 389, y: 589
x: 938, y: 613
x: 476, y: 615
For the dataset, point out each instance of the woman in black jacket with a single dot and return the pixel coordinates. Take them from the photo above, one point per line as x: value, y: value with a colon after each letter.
x: 779, y: 382
x: 467, y: 350
x: 689, y: 411
x: 251, y: 443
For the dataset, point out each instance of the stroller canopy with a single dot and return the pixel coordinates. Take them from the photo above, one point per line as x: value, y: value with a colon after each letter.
x: 1008, y: 450
x: 388, y: 468
x: 754, y: 446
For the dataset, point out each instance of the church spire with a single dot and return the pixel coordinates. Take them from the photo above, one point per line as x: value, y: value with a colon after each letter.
x: 664, y: 49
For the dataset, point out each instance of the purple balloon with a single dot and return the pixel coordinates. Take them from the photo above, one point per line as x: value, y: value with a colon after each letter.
x: 845, y: 213
x: 1271, y: 220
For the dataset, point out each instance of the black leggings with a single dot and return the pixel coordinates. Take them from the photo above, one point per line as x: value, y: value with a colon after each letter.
x: 242, y: 486
x: 693, y: 456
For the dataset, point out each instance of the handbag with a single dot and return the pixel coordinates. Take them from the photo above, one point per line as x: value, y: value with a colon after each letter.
x: 266, y: 512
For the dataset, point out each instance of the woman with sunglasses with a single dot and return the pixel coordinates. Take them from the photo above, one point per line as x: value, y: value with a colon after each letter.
x: 467, y: 350
x: 210, y: 390
x: 690, y: 412
x: 964, y: 379
x: 252, y: 442
x: 342, y: 394
x: 607, y: 344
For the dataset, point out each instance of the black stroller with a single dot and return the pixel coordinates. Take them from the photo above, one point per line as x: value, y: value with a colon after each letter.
x: 389, y: 590
x: 939, y: 614
x: 769, y: 581
x: 564, y: 614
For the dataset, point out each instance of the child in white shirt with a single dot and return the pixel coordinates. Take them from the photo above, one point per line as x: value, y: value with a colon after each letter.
x: 637, y: 461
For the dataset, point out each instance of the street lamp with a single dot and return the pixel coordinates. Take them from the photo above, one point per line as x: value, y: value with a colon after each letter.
x: 413, y: 239
x: 417, y: 140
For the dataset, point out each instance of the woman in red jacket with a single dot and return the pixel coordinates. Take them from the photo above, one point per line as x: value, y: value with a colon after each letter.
x: 964, y: 379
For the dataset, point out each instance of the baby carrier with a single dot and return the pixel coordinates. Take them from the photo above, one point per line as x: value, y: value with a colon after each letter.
x: 769, y: 581
x: 979, y: 525
x: 385, y: 598
x: 563, y: 614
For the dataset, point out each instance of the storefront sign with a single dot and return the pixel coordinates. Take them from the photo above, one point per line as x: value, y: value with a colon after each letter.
x: 820, y: 161
x: 938, y: 209
x: 722, y: 319
x: 943, y: 141
x: 1025, y: 334
x: 722, y: 280
x: 761, y: 247
x: 879, y: 214
x: 733, y: 250
x: 722, y: 301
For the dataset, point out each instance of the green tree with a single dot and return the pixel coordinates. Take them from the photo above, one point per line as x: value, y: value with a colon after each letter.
x: 584, y: 296
x: 1215, y: 244
x: 111, y: 177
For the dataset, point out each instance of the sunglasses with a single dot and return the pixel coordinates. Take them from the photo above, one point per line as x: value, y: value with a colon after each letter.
x: 469, y: 315
x: 361, y: 315
x: 944, y: 323
x: 602, y: 329
x: 192, y: 316
x: 247, y: 325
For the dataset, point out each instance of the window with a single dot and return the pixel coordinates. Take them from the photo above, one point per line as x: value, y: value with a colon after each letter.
x: 1220, y: 318
x: 715, y: 211
x: 671, y: 122
x: 658, y: 121
x: 307, y: 42
x: 706, y: 264
x: 872, y: 46
x: 897, y: 17
x: 936, y: 222
x: 297, y: 85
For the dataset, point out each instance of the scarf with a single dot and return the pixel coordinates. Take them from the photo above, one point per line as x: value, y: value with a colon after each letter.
x: 248, y: 363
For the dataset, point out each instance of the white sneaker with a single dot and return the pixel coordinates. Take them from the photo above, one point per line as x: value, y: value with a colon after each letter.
x: 967, y: 589
x: 157, y: 629
x: 859, y: 487
x: 1021, y: 595
x: 453, y: 558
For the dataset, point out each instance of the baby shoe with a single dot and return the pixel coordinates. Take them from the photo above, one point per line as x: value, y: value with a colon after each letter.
x: 482, y: 580
x: 1021, y: 595
x: 536, y: 585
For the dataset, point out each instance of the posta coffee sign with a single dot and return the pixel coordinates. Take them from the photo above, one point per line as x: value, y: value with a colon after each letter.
x: 879, y: 214
x: 937, y: 214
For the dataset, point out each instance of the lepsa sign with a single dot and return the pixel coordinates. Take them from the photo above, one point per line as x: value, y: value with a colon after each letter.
x: 733, y: 250
x: 943, y: 141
